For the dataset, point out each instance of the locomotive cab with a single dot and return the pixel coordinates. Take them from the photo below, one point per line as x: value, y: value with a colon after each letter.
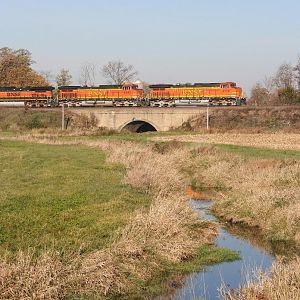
x: 227, y: 85
x: 129, y: 87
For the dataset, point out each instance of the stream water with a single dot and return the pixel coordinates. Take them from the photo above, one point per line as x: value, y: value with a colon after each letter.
x: 206, y: 284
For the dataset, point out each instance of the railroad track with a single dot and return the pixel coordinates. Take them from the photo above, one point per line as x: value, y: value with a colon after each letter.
x: 150, y: 108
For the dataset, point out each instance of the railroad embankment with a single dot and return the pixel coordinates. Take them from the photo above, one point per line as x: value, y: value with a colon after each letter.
x: 20, y: 119
x: 247, y: 118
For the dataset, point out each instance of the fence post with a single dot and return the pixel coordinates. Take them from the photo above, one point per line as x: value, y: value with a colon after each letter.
x: 207, y: 119
x: 63, y: 116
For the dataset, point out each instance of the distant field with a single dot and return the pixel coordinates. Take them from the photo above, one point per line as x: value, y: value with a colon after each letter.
x: 61, y: 197
x: 282, y: 141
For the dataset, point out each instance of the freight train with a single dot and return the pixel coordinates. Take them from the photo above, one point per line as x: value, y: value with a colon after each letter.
x: 156, y: 95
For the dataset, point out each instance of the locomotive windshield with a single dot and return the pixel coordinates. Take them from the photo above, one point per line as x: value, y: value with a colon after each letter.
x: 227, y: 85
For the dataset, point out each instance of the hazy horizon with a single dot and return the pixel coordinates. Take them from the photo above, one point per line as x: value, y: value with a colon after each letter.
x: 166, y: 41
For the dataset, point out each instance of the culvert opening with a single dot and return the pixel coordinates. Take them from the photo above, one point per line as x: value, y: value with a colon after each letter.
x: 138, y: 126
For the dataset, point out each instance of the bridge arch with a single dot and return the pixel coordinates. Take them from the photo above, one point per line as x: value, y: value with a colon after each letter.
x: 138, y: 125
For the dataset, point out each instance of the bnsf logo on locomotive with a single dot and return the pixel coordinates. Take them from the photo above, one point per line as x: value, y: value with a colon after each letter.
x: 14, y: 94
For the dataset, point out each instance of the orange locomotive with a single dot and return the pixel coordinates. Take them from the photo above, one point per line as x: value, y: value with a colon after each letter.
x: 225, y: 93
x: 30, y: 96
x: 104, y: 95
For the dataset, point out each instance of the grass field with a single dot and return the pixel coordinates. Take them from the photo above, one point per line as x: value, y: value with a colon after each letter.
x: 116, y: 228
x: 256, y: 152
x: 90, y: 235
x: 61, y: 197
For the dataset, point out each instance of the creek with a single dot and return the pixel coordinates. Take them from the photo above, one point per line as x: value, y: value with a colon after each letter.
x: 231, y: 275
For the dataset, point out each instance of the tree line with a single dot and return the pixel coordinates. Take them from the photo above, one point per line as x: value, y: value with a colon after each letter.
x: 16, y: 70
x: 283, y: 88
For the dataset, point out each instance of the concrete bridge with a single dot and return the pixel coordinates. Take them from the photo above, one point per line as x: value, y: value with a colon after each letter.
x: 141, y: 119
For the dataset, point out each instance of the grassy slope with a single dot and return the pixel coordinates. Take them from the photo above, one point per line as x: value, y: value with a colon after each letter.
x: 60, y: 197
x: 16, y: 119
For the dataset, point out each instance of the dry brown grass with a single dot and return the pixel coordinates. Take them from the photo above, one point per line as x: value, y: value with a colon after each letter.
x: 288, y: 141
x: 33, y: 278
x: 163, y: 232
x: 152, y: 171
x: 282, y: 284
x: 257, y: 192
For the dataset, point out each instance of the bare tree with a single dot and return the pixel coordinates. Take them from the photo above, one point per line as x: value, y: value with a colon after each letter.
x: 284, y: 77
x: 297, y: 70
x: 269, y: 83
x: 63, y: 77
x: 87, y: 75
x: 116, y: 72
x: 47, y: 75
x: 260, y: 95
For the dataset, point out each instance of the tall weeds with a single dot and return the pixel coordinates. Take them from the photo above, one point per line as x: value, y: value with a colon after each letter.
x: 281, y: 284
x: 254, y: 191
x: 28, y: 277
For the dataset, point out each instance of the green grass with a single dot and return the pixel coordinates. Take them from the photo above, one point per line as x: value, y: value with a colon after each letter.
x: 61, y: 197
x: 259, y: 152
x: 171, y: 274
x: 128, y: 136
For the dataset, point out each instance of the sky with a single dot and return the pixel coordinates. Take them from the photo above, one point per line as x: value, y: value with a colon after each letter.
x: 167, y: 41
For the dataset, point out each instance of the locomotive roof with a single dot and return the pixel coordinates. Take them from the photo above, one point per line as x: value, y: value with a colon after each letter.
x: 16, y: 89
x: 160, y: 86
x: 101, y: 86
x: 197, y: 84
x: 209, y: 84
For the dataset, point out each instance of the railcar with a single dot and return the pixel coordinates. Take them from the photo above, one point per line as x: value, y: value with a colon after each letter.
x: 30, y: 96
x: 225, y: 93
x: 103, y: 95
